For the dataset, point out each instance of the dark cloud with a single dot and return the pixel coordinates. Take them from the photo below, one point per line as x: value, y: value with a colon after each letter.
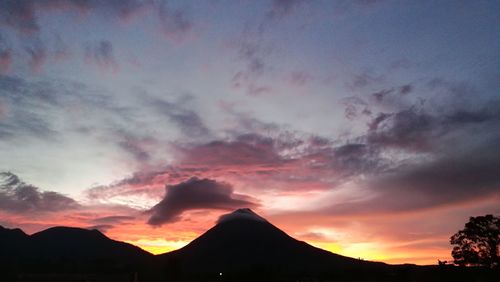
x: 405, y: 89
x: 252, y: 51
x: 22, y: 15
x: 19, y: 15
x: 37, y: 56
x: 453, y: 158
x: 137, y: 147
x: 187, y: 120
x: 116, y: 219
x: 196, y: 194
x: 5, y: 56
x: 411, y: 129
x: 364, y: 79
x: 357, y: 158
x: 19, y: 197
x: 282, y: 8
x: 380, y: 95
x: 101, y: 227
x: 453, y: 178
x: 314, y: 236
x: 175, y: 23
x: 101, y: 54
x: 417, y: 129
x: 354, y: 106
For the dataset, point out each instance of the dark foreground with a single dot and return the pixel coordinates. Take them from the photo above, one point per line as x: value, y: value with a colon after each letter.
x: 241, y: 247
x: 142, y: 273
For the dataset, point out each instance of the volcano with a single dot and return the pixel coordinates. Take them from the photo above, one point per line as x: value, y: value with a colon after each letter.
x: 244, y: 242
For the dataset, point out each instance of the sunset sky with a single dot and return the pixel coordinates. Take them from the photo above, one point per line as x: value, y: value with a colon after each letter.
x: 368, y: 128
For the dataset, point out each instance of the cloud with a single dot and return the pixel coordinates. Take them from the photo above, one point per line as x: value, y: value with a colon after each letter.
x: 5, y: 56
x: 300, y: 78
x: 282, y: 8
x: 187, y: 120
x: 114, y: 219
x: 245, y: 150
x: 26, y: 102
x: 137, y: 146
x: 101, y: 227
x: 410, y: 129
x: 37, y: 56
x: 392, y: 163
x: 22, y: 15
x: 451, y: 179
x: 61, y: 49
x: 380, y: 95
x: 19, y: 15
x: 418, y: 129
x: 104, y: 224
x: 101, y: 54
x: 175, y: 23
x: 5, y: 60
x: 22, y: 119
x: 286, y: 162
x: 354, y: 106
x: 364, y: 79
x: 19, y: 197
x: 253, y: 52
x: 195, y: 194
x: 405, y: 89
x: 438, y: 161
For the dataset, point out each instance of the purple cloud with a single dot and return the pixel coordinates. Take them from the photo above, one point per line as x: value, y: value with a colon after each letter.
x: 196, y: 194
x: 19, y: 197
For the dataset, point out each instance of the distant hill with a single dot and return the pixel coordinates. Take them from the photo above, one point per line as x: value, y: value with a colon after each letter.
x: 13, y: 243
x: 66, y: 243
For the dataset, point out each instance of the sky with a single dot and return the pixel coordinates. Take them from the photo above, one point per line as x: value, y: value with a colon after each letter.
x: 369, y: 128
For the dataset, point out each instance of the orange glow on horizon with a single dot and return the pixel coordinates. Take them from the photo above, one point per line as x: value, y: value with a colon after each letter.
x: 158, y: 246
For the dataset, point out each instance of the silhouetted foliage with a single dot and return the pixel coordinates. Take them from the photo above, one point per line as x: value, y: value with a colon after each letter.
x: 477, y: 244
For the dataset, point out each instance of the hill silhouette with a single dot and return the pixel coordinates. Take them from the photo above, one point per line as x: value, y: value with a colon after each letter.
x: 242, y: 246
x: 60, y: 243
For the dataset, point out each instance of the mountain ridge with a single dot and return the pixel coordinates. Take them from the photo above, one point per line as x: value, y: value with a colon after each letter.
x: 248, y: 242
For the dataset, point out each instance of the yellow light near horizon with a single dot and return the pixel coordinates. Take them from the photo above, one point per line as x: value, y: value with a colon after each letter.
x: 329, y: 246
x: 366, y: 251
x: 158, y: 246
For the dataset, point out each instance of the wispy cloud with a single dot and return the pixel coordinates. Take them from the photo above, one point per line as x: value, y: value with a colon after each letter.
x: 19, y: 197
x: 101, y: 54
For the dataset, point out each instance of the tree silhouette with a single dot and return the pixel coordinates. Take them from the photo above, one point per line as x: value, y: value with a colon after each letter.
x: 478, y: 243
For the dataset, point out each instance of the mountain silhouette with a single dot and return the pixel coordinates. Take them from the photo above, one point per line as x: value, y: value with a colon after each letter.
x: 242, y: 241
x: 66, y: 243
x: 70, y: 242
x: 13, y: 243
x: 242, y: 246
